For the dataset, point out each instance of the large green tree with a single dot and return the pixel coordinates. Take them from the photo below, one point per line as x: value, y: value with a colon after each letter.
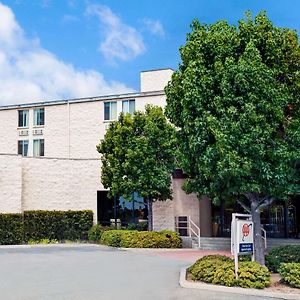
x: 235, y: 100
x: 138, y: 155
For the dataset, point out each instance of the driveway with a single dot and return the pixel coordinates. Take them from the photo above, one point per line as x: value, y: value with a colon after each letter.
x: 95, y: 272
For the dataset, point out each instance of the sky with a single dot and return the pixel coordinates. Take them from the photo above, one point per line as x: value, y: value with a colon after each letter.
x: 60, y: 49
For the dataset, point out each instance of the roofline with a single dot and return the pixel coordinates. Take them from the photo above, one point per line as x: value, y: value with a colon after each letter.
x: 81, y: 100
x: 153, y: 70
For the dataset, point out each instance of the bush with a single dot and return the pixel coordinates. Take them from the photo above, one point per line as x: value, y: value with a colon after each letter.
x: 218, y: 269
x: 43, y: 241
x: 96, y: 232
x: 290, y: 274
x: 204, y: 268
x: 137, y: 226
x: 141, y: 239
x: 57, y: 225
x: 11, y: 229
x: 112, y: 238
x: 253, y: 275
x: 283, y: 254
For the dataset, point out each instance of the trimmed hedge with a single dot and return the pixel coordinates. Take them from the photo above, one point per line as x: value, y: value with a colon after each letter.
x: 57, y: 225
x: 96, y: 232
x: 11, y: 229
x: 283, y: 254
x: 219, y: 269
x: 40, y: 225
x: 290, y: 274
x: 141, y: 239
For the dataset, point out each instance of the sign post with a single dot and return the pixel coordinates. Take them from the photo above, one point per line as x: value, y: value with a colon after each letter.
x: 241, y: 237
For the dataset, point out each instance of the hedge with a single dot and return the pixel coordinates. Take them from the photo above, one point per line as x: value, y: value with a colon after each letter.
x: 283, y: 254
x: 290, y: 274
x: 219, y: 269
x: 95, y: 232
x: 141, y: 239
x: 39, y: 225
x: 11, y: 229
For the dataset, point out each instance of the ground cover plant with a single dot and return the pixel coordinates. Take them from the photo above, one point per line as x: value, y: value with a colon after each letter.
x: 219, y: 269
x: 290, y: 274
x: 283, y: 254
x: 141, y: 239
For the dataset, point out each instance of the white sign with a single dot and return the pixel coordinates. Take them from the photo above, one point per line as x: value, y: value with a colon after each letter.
x: 244, y: 236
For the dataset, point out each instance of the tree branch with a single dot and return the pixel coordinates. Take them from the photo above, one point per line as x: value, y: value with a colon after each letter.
x: 265, y: 202
x: 243, y: 205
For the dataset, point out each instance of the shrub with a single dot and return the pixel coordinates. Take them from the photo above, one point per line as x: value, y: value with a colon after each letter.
x: 290, y: 274
x: 11, y: 229
x: 137, y: 226
x: 43, y: 241
x: 141, y: 239
x: 218, y: 269
x: 204, y: 268
x: 96, y: 232
x: 283, y: 254
x: 59, y: 225
x: 253, y: 275
x: 112, y: 238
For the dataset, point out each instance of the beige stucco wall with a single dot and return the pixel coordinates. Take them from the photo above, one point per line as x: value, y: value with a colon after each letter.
x: 48, y: 184
x: 10, y: 183
x: 155, y: 80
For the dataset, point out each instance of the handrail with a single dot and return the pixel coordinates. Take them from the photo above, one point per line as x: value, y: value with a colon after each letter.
x: 264, y: 237
x: 197, y: 234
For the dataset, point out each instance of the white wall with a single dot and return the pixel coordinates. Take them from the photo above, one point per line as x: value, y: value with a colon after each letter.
x: 155, y: 80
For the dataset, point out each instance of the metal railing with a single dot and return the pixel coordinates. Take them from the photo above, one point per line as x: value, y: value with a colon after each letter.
x: 185, y: 224
x: 264, y: 236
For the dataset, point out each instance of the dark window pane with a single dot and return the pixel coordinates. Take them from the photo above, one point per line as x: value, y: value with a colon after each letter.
x: 132, y: 106
x: 42, y: 148
x: 42, y: 116
x: 20, y: 118
x: 106, y: 110
x: 25, y: 148
x: 20, y: 147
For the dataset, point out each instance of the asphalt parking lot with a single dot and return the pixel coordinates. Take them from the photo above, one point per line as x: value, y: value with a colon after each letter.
x: 94, y: 272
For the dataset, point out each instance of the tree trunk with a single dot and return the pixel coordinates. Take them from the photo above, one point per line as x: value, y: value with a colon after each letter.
x: 150, y: 214
x: 259, y: 248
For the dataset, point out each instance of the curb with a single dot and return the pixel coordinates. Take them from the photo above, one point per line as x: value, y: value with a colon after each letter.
x: 50, y: 246
x: 231, y: 290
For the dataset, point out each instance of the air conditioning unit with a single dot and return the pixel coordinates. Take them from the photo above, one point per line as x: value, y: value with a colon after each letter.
x: 37, y: 132
x: 23, y: 132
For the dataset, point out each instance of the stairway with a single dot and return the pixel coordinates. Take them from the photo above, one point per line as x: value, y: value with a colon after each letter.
x: 213, y: 243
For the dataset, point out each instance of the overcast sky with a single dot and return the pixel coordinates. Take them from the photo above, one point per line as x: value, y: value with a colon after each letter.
x: 57, y: 49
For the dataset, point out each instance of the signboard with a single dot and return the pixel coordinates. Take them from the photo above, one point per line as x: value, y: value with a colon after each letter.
x: 244, y: 239
x: 241, y: 237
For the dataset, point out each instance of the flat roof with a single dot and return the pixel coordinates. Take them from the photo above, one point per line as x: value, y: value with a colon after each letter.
x: 80, y: 100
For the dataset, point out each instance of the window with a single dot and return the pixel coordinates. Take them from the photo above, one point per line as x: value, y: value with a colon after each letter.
x: 128, y: 106
x: 110, y: 111
x: 38, y: 147
x: 23, y: 118
x: 39, y: 116
x: 23, y: 147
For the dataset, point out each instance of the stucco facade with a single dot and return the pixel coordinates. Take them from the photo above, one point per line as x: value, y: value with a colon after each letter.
x: 68, y: 176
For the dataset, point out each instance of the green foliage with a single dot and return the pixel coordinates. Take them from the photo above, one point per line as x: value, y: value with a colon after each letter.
x: 253, y: 275
x: 219, y: 269
x: 58, y: 225
x: 137, y: 226
x: 141, y: 239
x: 138, y: 155
x: 112, y: 238
x: 283, y: 254
x: 96, y: 231
x: 290, y: 274
x: 204, y: 269
x: 235, y: 102
x: 43, y: 242
x: 11, y: 229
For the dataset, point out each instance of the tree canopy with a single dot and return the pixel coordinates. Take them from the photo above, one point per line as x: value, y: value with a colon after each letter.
x: 235, y: 100
x: 138, y: 155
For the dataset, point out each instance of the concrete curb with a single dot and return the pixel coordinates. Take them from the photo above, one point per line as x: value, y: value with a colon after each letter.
x: 231, y: 290
x: 75, y: 245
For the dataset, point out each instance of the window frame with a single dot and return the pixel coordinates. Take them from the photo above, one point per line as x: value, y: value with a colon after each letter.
x: 37, y: 116
x: 25, y: 118
x: 21, y: 145
x: 128, y: 101
x: 41, y: 149
x: 109, y: 105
